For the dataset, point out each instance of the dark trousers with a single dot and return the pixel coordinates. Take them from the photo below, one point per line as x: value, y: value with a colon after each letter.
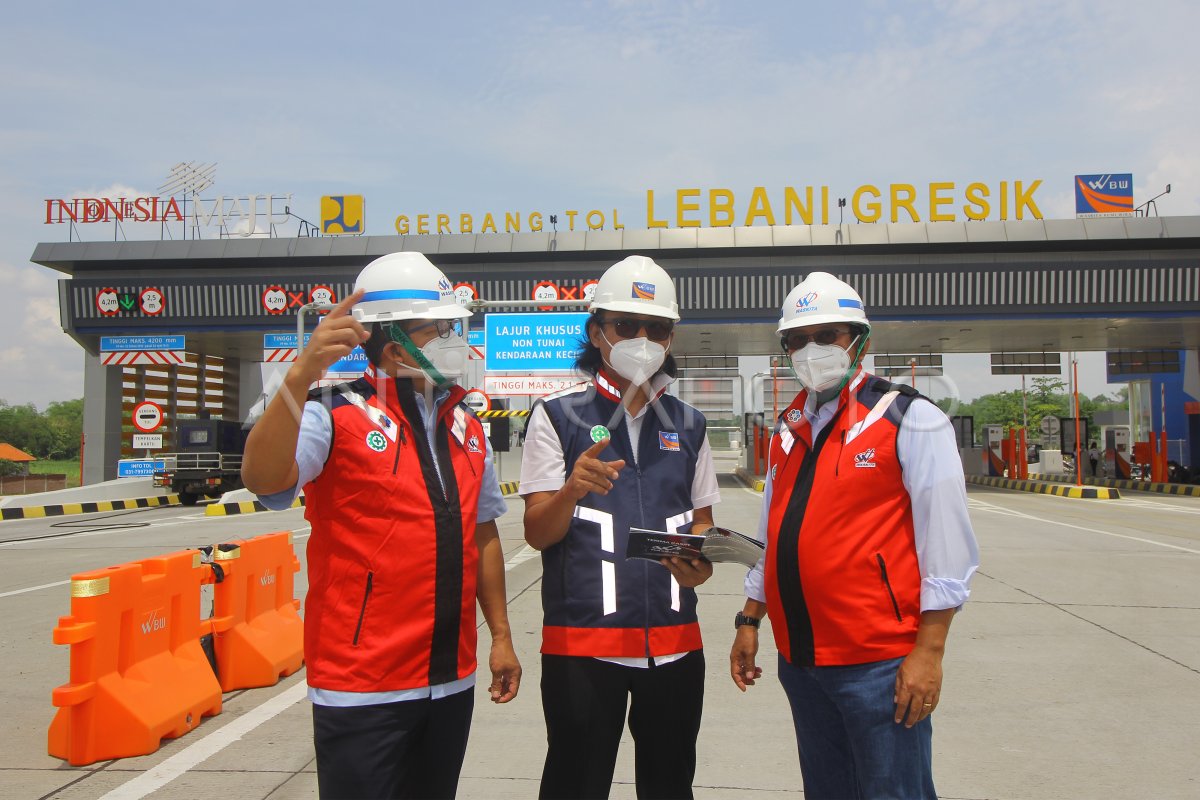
x: 413, y: 749
x: 584, y: 702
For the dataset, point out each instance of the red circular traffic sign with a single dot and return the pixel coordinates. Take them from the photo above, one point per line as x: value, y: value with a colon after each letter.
x: 152, y: 301
x: 475, y: 398
x: 147, y: 416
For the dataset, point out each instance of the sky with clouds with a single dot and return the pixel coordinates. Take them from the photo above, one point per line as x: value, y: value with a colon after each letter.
x: 549, y: 105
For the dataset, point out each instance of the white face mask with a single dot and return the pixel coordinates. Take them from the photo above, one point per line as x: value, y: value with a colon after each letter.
x: 448, y: 357
x: 820, y: 367
x: 636, y: 360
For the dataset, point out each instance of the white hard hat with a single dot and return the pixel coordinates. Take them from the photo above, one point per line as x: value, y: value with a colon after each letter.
x: 821, y: 298
x: 636, y: 285
x: 405, y: 286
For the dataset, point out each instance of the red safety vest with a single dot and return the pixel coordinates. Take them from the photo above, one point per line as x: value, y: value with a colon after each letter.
x: 392, y: 559
x: 842, y: 579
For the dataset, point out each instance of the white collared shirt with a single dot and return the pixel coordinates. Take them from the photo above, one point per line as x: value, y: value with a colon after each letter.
x: 947, y: 554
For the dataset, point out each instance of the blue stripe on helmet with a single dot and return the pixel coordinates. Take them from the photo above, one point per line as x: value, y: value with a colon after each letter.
x: 401, y: 294
x: 844, y: 303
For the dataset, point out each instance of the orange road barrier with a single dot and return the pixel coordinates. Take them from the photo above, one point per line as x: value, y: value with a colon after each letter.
x: 1007, y: 448
x: 1022, y: 455
x: 1154, y: 460
x: 138, y: 674
x: 1164, y: 472
x: 257, y: 634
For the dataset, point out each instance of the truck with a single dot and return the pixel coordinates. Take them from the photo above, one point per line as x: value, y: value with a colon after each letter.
x: 208, y: 462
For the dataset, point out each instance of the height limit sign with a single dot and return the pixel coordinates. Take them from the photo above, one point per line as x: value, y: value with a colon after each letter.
x: 147, y: 416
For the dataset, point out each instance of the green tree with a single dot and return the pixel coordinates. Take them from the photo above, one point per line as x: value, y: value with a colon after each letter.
x: 65, y: 420
x: 52, y: 435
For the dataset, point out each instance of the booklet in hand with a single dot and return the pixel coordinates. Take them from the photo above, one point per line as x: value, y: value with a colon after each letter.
x: 715, y: 544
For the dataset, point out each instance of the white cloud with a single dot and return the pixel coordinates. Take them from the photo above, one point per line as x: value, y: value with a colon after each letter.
x: 560, y: 106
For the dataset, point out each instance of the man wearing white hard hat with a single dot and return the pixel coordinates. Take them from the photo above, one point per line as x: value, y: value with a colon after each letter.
x: 402, y: 497
x: 869, y: 554
x: 614, y: 453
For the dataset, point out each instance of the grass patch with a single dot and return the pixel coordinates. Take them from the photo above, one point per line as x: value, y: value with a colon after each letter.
x: 68, y: 467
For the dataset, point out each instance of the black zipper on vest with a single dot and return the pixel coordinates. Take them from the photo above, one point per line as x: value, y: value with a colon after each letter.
x: 888, y: 585
x: 634, y: 451
x: 363, y: 611
x: 400, y: 440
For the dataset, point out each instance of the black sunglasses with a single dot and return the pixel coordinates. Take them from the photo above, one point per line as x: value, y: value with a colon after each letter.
x: 628, y: 328
x: 794, y: 340
x: 445, y: 327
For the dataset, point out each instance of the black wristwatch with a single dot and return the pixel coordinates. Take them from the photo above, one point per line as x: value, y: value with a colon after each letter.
x: 742, y: 619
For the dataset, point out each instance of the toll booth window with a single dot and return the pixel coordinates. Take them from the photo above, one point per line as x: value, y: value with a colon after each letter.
x: 197, y: 437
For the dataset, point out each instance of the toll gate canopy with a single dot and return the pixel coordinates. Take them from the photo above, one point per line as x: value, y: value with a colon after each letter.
x: 1123, y: 284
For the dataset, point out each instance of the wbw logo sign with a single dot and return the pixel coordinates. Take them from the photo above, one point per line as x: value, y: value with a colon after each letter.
x: 267, y: 579
x: 1108, y: 195
x: 154, y: 621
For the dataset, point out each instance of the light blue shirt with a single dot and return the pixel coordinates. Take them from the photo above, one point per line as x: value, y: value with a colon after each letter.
x: 312, y: 451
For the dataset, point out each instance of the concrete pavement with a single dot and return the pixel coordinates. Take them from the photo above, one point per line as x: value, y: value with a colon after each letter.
x: 1074, y: 672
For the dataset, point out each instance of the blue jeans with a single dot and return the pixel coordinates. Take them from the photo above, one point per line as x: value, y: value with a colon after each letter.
x: 850, y: 746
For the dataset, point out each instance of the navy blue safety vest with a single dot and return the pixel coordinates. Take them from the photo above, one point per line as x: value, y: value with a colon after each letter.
x: 595, y: 602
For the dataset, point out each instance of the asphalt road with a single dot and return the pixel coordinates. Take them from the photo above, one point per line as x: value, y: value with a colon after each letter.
x: 1074, y: 672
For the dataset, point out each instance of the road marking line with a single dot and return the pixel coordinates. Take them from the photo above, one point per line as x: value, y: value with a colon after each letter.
x: 1001, y: 510
x: 522, y: 555
x: 159, y: 776
x: 34, y: 588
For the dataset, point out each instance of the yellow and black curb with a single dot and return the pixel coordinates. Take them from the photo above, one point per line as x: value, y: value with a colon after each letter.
x: 1179, y: 489
x: 1046, y: 487
x: 491, y: 414
x: 750, y: 480
x: 36, y: 512
x: 243, y: 507
x: 254, y: 506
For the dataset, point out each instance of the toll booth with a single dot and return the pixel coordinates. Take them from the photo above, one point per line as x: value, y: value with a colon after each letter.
x: 756, y: 436
x: 964, y: 431
x: 498, y: 429
x: 993, y: 453
x: 1067, y: 436
x: 1117, y: 453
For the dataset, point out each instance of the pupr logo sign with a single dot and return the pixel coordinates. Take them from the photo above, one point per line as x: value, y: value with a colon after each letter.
x: 343, y: 215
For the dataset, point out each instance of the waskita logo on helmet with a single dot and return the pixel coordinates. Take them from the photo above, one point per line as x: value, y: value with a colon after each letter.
x: 822, y: 299
x: 426, y: 295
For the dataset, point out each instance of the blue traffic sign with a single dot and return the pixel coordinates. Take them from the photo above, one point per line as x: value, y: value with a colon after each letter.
x: 282, y: 341
x: 544, y: 342
x: 118, y: 344
x: 354, y: 363
x: 139, y: 467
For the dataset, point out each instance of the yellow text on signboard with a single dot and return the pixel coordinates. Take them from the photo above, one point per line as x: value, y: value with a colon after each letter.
x: 939, y: 201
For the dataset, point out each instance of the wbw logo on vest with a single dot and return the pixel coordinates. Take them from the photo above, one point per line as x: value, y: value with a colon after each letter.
x: 376, y: 441
x: 866, y: 458
x: 154, y: 622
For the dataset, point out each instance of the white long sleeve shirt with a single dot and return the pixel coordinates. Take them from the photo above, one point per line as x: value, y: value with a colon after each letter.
x: 947, y: 554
